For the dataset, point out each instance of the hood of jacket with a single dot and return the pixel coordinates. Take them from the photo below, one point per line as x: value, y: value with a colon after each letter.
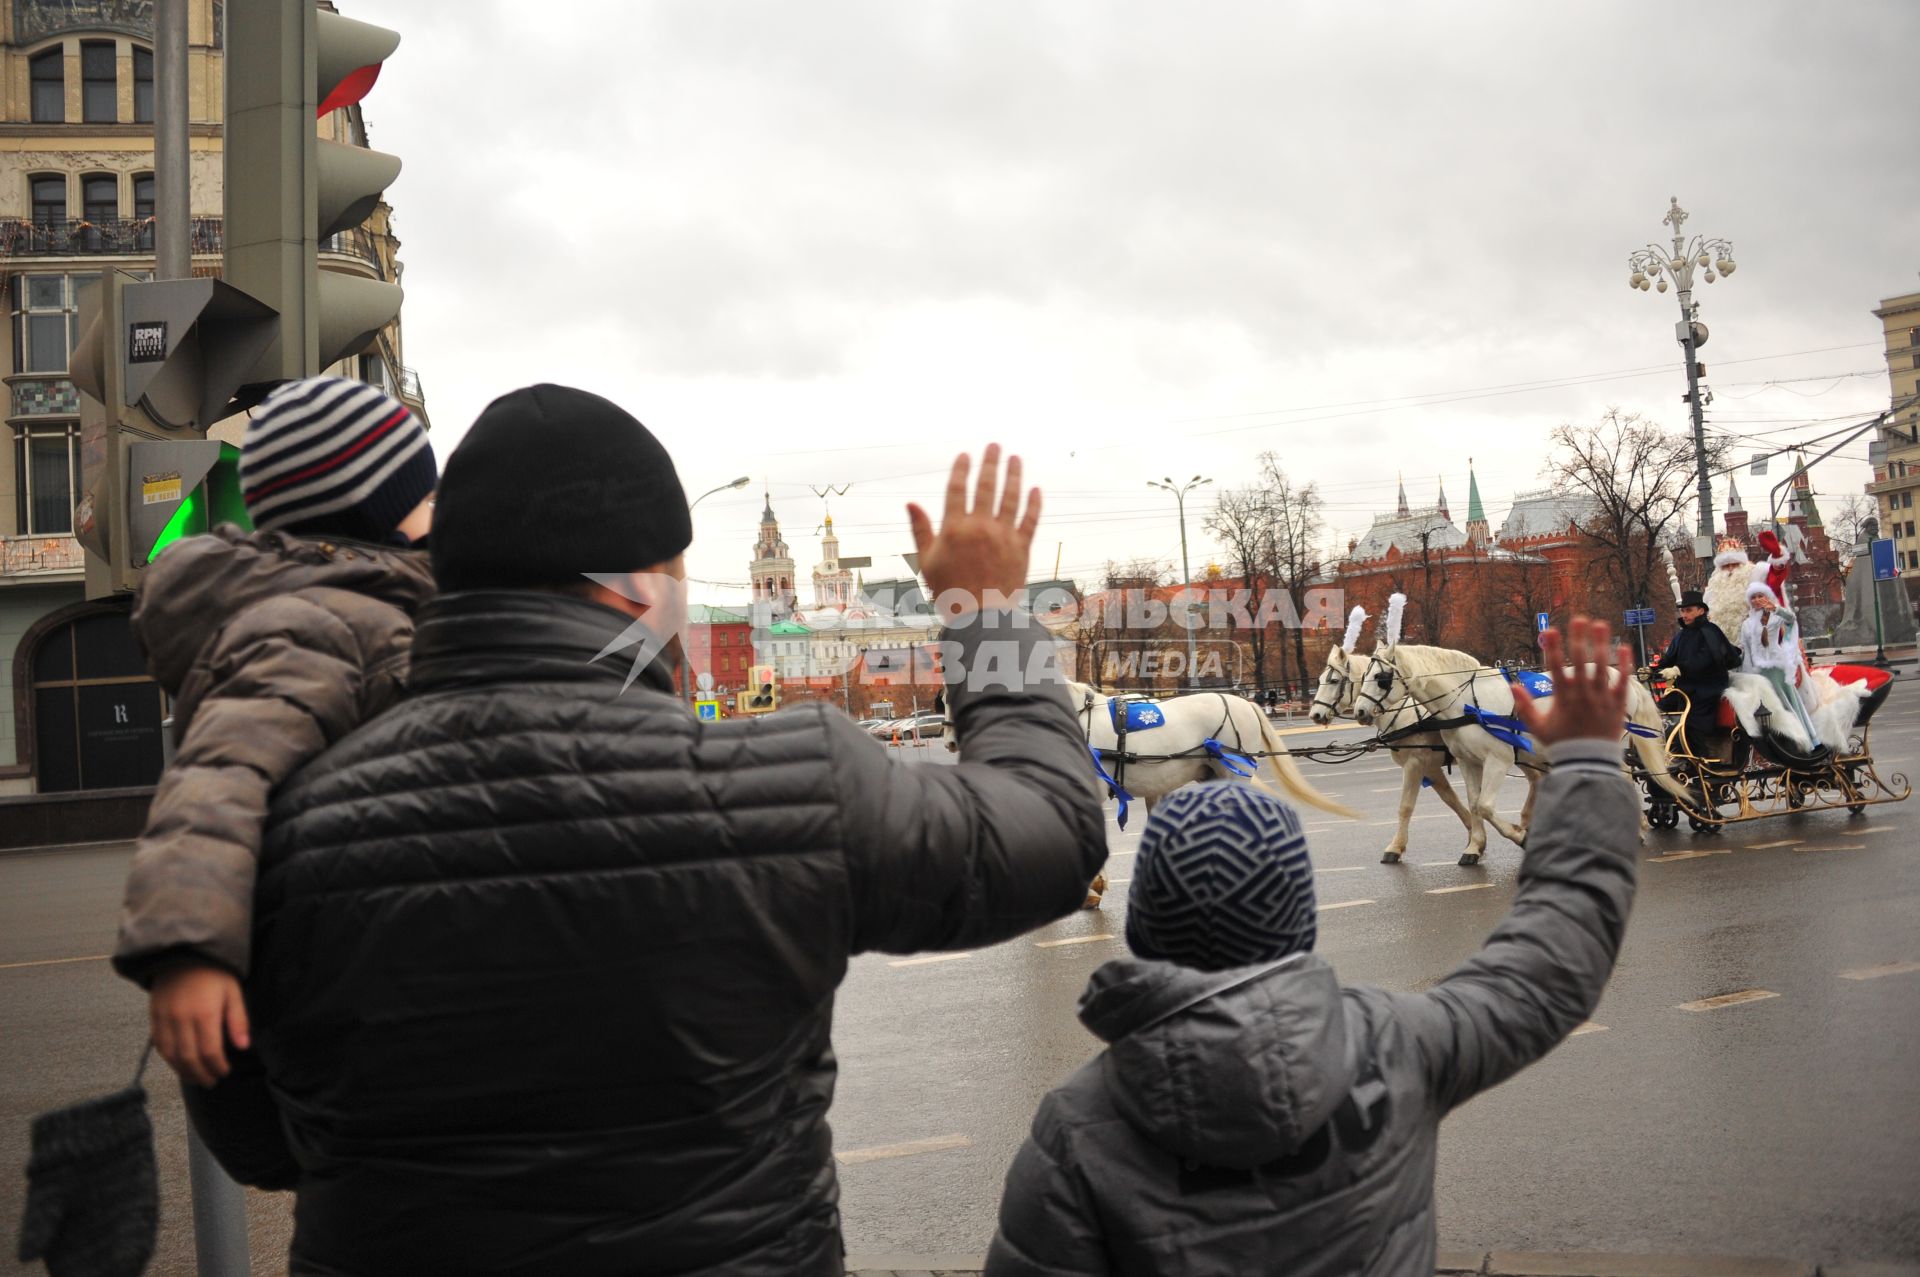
x: 1224, y: 1068
x: 200, y: 584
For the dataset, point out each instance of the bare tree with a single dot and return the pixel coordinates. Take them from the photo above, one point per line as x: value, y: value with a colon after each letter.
x: 1242, y: 520
x: 1636, y: 479
x: 1846, y: 526
x: 1298, y: 525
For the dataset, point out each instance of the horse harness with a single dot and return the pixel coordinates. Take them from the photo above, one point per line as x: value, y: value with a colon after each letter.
x: 1119, y: 755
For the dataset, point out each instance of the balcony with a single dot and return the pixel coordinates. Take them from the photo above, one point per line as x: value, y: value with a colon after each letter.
x: 410, y: 387
x: 133, y: 237
x: 121, y: 237
x: 356, y: 243
x: 29, y: 558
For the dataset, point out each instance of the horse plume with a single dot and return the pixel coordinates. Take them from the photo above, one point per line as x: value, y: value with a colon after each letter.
x: 1673, y: 573
x: 1396, y: 613
x: 1355, y: 619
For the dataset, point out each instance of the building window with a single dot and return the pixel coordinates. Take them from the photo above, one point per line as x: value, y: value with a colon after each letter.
x: 99, y: 92
x: 142, y: 86
x: 373, y: 371
x: 50, y: 87
x: 49, y: 198
x: 143, y: 209
x: 47, y: 459
x: 43, y: 322
x: 99, y: 202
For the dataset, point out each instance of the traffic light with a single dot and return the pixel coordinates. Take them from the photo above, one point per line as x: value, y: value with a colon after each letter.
x: 766, y: 696
x: 289, y: 190
x: 156, y: 363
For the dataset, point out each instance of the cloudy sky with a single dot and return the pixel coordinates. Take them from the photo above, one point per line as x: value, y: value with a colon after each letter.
x: 830, y: 243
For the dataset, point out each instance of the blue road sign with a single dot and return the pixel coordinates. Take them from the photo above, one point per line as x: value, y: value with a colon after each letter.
x: 1540, y: 620
x: 1640, y: 616
x: 1883, y: 565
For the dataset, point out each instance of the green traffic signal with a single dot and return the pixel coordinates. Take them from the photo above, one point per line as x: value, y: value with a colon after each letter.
x: 215, y: 501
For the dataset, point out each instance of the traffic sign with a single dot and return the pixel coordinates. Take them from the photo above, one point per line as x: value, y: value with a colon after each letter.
x: 706, y: 711
x: 1640, y: 616
x: 1540, y: 621
x: 1884, y: 568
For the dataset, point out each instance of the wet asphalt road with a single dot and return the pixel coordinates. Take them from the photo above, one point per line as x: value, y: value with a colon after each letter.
x: 1786, y: 1125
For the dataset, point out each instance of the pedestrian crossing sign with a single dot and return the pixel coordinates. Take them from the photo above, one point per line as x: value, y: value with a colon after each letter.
x: 706, y: 711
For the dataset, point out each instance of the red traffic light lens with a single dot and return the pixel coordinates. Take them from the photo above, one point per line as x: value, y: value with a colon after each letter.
x: 350, y: 90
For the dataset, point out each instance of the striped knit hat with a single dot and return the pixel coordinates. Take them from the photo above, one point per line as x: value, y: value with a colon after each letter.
x: 1222, y: 880
x: 326, y: 456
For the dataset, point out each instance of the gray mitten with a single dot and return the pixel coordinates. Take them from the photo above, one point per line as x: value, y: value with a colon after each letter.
x: 93, y: 1190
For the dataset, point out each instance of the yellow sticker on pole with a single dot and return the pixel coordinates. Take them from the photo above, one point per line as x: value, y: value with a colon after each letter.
x: 158, y: 488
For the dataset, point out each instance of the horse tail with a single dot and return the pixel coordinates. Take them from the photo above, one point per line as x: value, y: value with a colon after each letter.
x: 1652, y: 750
x: 1289, y: 774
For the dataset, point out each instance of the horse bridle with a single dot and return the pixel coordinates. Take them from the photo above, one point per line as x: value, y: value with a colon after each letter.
x: 1384, y: 673
x: 1341, y: 681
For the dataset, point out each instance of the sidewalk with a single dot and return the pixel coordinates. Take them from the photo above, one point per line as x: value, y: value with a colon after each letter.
x: 1486, y: 1263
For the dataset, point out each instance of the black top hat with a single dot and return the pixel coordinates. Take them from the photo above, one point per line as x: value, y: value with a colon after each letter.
x: 1692, y: 598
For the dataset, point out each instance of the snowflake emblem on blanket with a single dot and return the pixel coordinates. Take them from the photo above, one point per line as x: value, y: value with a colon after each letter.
x: 1149, y: 717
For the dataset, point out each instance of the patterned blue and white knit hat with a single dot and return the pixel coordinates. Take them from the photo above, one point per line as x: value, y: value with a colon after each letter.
x: 326, y: 456
x: 1222, y: 880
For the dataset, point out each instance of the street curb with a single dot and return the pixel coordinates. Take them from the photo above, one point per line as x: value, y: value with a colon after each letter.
x: 55, y: 848
x: 1471, y: 1263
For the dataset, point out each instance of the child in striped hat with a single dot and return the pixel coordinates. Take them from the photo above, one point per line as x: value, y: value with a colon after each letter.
x: 271, y: 645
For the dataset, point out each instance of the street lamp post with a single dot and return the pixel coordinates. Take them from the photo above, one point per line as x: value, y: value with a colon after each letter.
x: 1179, y: 492
x: 686, y: 658
x: 1657, y: 268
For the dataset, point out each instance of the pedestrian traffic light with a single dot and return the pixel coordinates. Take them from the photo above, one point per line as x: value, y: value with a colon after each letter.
x: 289, y: 190
x: 156, y: 364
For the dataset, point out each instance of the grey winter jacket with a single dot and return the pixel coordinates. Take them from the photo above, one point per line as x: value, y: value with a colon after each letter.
x: 544, y: 967
x: 1266, y: 1120
x: 272, y: 647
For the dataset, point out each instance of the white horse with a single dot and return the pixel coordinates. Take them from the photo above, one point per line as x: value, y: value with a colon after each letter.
x: 1421, y: 756
x: 1174, y: 753
x: 1443, y: 684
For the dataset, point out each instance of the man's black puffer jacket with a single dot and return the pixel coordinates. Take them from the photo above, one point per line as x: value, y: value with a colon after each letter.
x: 544, y: 972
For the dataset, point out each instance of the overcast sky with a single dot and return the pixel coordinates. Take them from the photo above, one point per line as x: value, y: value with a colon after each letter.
x: 829, y: 243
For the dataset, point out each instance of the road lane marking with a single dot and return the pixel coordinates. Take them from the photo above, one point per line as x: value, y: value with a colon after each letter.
x: 1588, y: 1027
x: 855, y: 1156
x: 1341, y: 869
x: 1688, y: 855
x: 1769, y: 846
x: 1852, y: 846
x: 52, y: 962
x: 1875, y: 829
x: 1728, y: 1000
x: 1429, y: 864
x: 1389, y: 789
x: 1471, y: 886
x: 1114, y: 882
x: 1055, y: 944
x: 1874, y: 973
x: 929, y: 958
x: 1345, y: 904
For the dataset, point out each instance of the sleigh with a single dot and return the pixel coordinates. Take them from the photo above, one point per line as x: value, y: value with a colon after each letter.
x: 1761, y: 763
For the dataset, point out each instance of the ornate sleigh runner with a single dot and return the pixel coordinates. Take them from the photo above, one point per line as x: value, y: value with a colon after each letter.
x: 1768, y: 773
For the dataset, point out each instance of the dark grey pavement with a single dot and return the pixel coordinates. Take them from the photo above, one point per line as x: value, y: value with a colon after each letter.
x: 1784, y: 1125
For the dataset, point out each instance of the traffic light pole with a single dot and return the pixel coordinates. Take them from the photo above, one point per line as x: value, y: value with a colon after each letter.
x: 173, y: 215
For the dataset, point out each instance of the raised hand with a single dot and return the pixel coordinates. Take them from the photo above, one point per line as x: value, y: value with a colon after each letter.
x: 980, y: 551
x: 1589, y: 699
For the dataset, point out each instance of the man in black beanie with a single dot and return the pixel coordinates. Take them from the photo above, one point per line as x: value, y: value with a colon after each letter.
x: 544, y: 972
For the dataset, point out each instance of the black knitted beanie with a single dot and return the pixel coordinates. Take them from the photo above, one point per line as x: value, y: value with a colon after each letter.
x: 550, y: 483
